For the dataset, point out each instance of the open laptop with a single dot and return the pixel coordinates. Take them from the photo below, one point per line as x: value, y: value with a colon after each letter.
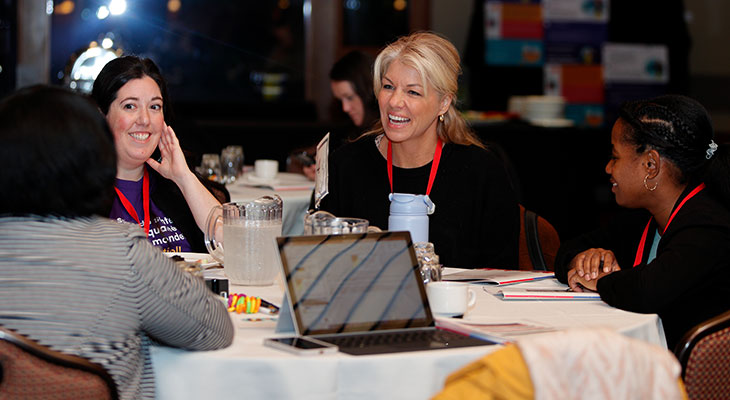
x: 362, y: 292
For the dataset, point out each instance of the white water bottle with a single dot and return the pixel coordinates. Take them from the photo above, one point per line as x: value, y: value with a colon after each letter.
x: 409, y: 212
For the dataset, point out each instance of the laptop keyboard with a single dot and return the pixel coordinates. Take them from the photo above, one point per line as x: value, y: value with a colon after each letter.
x: 390, y: 342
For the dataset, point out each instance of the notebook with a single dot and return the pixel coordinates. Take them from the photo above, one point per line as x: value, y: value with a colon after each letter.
x: 498, y: 276
x: 362, y: 292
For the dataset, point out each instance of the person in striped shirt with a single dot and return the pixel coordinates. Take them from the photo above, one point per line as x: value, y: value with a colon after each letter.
x: 71, y: 278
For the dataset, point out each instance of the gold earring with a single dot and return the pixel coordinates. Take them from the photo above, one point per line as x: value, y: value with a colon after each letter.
x: 441, y: 118
x: 651, y: 189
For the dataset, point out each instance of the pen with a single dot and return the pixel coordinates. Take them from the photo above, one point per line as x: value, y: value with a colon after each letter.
x: 268, y: 308
x: 258, y: 319
x: 600, y: 265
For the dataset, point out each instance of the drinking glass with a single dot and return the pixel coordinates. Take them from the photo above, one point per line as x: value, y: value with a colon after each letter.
x: 231, y: 163
x: 428, y: 262
x: 210, y: 167
x: 324, y: 223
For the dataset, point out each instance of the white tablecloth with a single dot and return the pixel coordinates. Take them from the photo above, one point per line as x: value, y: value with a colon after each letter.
x: 295, y: 191
x: 248, y: 370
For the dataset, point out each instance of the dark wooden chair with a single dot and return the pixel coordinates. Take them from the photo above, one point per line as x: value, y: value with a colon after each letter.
x: 539, y: 242
x: 218, y: 190
x: 29, y: 370
x: 704, y: 353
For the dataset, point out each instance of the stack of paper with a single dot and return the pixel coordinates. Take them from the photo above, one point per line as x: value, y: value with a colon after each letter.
x: 499, y: 332
x: 546, y: 294
x: 498, y: 276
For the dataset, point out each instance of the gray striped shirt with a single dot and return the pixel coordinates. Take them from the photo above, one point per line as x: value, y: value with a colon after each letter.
x: 98, y: 289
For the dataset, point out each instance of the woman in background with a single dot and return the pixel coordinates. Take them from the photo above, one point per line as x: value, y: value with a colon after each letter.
x: 423, y: 138
x: 351, y: 80
x: 70, y: 278
x: 163, y: 196
x: 672, y: 257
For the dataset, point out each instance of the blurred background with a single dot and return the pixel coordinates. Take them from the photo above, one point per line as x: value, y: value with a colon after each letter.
x: 255, y: 73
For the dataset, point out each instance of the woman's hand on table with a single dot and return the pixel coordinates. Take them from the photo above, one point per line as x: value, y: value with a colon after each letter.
x: 580, y: 284
x: 589, y: 266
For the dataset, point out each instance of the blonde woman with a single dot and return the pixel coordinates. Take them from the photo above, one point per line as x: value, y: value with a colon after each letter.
x: 432, y: 151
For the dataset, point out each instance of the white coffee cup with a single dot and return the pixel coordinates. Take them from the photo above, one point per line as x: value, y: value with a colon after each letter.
x: 266, y: 169
x: 450, y: 299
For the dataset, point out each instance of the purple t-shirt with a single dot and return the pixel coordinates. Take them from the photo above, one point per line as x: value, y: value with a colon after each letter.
x: 163, y: 232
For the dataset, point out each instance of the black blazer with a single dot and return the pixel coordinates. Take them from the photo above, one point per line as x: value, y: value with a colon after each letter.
x: 168, y: 197
x: 688, y: 281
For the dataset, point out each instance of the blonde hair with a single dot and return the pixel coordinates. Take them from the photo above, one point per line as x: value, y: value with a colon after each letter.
x: 437, y: 63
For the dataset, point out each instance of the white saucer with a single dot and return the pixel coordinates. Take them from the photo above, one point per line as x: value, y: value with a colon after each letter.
x: 205, y: 259
x: 253, y: 179
x: 551, y: 122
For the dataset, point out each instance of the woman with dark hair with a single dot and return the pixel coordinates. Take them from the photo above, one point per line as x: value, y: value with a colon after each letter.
x: 673, y: 256
x: 163, y: 196
x: 422, y: 145
x: 70, y: 278
x: 351, y: 80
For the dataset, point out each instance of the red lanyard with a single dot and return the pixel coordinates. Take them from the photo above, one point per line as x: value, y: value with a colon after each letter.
x: 434, y: 165
x: 145, y: 202
x: 640, y: 250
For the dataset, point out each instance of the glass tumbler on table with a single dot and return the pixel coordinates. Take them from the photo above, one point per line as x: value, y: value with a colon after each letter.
x: 231, y: 163
x: 210, y: 167
x: 324, y: 223
x: 428, y: 262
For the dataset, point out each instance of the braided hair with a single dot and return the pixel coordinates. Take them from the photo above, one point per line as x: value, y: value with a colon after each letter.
x: 680, y: 130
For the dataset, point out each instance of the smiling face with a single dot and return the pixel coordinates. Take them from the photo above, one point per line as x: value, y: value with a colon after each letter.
x: 137, y: 122
x: 406, y: 111
x: 627, y: 169
x: 351, y: 102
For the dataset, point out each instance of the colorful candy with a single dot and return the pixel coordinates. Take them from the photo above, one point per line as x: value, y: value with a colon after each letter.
x: 240, y: 303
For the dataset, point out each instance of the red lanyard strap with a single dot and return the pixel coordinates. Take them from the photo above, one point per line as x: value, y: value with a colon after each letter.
x: 434, y: 165
x: 145, y: 202
x: 642, y: 243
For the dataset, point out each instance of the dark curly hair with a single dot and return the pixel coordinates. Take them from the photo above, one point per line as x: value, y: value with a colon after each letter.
x: 679, y: 129
x: 57, y: 155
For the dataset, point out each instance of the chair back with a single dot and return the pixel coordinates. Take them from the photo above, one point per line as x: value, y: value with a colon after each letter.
x: 570, y: 364
x: 218, y: 190
x: 539, y: 242
x: 33, y: 371
x: 704, y: 353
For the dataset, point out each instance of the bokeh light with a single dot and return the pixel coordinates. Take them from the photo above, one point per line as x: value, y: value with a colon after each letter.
x: 66, y: 7
x: 117, y: 7
x: 102, y: 12
x: 107, y: 43
x: 174, y: 6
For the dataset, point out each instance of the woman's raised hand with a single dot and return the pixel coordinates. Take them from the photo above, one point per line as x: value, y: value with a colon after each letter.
x: 172, y: 164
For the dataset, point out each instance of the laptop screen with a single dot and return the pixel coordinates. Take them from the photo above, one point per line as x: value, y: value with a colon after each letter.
x: 354, y: 283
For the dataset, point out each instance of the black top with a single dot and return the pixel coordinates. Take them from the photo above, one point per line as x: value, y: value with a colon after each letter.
x: 688, y: 281
x: 168, y: 197
x: 476, y: 223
